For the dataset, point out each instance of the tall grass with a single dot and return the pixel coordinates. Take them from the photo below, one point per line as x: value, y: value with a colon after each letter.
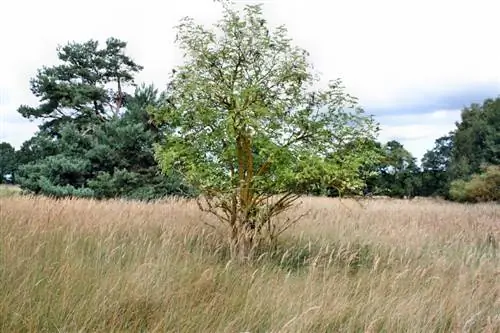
x: 390, y: 266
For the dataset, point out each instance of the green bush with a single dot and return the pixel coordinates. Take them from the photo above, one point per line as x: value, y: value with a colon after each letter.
x: 481, y: 187
x: 9, y: 190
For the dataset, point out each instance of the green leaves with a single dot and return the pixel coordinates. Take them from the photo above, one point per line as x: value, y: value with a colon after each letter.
x: 8, y: 161
x: 240, y: 81
x: 87, y: 87
x: 482, y: 187
x: 476, y: 140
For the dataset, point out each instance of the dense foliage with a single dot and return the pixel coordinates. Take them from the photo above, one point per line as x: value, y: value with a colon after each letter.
x: 86, y: 88
x: 8, y: 162
x: 481, y: 187
x: 115, y: 160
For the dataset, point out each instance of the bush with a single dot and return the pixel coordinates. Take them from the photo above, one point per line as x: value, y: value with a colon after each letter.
x: 9, y: 190
x: 481, y: 187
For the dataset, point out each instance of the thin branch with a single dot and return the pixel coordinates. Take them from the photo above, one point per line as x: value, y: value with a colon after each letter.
x: 290, y: 223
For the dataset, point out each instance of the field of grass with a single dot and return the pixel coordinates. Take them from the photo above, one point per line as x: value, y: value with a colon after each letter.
x: 389, y: 266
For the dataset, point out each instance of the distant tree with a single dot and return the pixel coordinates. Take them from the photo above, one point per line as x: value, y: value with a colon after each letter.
x: 86, y: 88
x: 399, y: 173
x: 476, y: 140
x: 246, y: 126
x: 8, y: 161
x: 96, y: 139
x: 435, y: 167
x: 116, y: 159
x: 438, y: 159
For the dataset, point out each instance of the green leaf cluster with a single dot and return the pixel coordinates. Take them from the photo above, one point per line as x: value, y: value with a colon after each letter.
x: 246, y: 107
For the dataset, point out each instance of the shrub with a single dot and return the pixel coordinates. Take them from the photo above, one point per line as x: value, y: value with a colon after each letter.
x: 481, y: 187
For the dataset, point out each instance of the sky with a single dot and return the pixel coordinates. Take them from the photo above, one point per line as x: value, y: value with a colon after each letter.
x: 413, y: 64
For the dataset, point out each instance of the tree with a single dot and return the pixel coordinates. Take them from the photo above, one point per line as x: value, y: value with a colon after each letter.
x: 399, y: 174
x: 476, y: 140
x: 435, y: 167
x: 96, y: 139
x: 39, y: 146
x: 115, y: 160
x: 371, y: 154
x: 244, y: 123
x: 87, y: 88
x: 8, y: 161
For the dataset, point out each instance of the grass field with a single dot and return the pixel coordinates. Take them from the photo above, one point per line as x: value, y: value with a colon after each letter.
x: 389, y: 266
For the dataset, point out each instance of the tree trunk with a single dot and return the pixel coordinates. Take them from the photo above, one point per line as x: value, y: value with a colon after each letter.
x: 241, y: 242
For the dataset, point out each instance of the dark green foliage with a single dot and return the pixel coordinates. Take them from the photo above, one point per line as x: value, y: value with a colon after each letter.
x: 435, y: 166
x: 476, y: 139
x: 8, y: 162
x: 96, y: 140
x: 39, y: 146
x: 471, y: 154
x: 115, y: 160
x: 399, y: 173
x: 455, y: 168
x: 438, y: 159
x: 86, y: 88
x: 58, y: 175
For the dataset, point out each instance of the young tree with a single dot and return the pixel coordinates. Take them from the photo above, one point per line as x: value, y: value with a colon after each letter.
x: 246, y: 125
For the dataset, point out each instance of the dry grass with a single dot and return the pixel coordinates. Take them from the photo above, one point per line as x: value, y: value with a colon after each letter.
x: 391, y: 266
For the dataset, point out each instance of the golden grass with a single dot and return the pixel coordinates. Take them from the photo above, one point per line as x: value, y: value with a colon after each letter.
x: 390, y: 266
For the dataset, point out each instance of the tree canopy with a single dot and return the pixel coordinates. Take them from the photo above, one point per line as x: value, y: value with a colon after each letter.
x: 476, y: 139
x: 8, y: 161
x: 87, y: 87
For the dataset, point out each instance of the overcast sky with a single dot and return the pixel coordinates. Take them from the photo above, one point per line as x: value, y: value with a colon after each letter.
x: 414, y: 64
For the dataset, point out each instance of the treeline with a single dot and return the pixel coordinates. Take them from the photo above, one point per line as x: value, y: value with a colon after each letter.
x: 462, y: 166
x: 98, y: 138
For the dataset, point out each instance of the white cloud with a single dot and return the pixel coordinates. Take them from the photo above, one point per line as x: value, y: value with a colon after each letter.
x: 417, y: 132
x: 388, y: 52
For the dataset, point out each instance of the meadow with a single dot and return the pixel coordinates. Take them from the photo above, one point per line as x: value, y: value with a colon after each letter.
x: 378, y: 266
